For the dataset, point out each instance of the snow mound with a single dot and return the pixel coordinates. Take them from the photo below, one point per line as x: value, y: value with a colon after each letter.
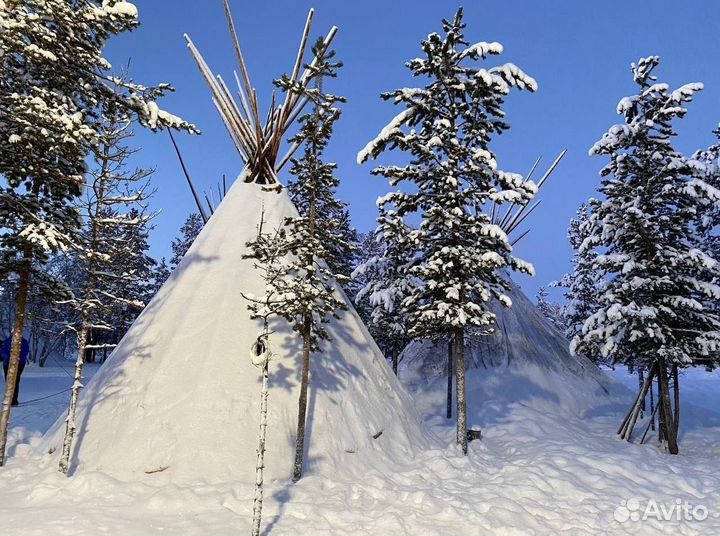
x: 522, y: 338
x: 178, y: 400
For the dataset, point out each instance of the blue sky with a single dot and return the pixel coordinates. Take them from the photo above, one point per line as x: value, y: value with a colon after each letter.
x: 579, y: 52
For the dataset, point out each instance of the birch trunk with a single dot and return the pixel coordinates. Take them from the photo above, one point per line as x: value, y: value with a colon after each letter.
x: 70, y: 427
x: 16, y: 346
x: 260, y: 465
x: 302, y: 403
x: 87, y: 321
x: 449, y: 381
x: 460, y: 388
x: 641, y: 382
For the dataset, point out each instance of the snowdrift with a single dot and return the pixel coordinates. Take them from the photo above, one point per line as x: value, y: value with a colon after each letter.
x: 178, y: 400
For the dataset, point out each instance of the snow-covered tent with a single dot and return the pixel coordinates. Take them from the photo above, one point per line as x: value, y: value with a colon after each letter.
x: 522, y: 338
x: 178, y: 399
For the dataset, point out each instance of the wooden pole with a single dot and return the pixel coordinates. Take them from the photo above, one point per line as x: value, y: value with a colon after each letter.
x: 203, y: 214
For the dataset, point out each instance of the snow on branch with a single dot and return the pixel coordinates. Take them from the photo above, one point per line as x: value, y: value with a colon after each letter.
x: 392, y: 128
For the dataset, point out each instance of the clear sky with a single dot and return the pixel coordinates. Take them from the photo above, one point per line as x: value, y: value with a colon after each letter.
x: 578, y: 51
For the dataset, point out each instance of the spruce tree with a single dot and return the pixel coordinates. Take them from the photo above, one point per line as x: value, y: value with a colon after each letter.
x: 583, y: 284
x: 344, y: 248
x: 708, y: 218
x: 657, y: 276
x: 188, y: 233
x: 385, y: 284
x: 160, y: 274
x: 552, y: 312
x: 452, y: 179
x: 53, y: 83
x: 305, y: 284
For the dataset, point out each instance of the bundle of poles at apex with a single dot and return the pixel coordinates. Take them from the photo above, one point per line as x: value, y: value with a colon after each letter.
x: 257, y: 138
x: 516, y: 214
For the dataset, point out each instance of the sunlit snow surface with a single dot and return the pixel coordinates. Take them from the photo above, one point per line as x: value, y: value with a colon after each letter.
x: 548, y: 464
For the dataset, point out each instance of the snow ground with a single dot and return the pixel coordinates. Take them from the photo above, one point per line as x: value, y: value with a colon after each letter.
x: 548, y: 464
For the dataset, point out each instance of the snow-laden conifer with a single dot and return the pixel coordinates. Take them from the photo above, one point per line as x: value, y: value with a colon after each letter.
x: 708, y: 218
x: 188, y: 233
x: 657, y: 276
x: 553, y: 312
x: 584, y: 283
x: 304, y: 285
x: 386, y: 284
x: 452, y: 179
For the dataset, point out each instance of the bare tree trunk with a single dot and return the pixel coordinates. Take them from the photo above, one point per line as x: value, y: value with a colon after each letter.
x: 260, y: 465
x: 661, y: 415
x: 651, y: 423
x: 16, y: 346
x: 627, y: 430
x: 395, y: 361
x: 668, y: 426
x: 625, y: 421
x: 641, y: 381
x: 676, y: 397
x: 652, y: 408
x: 70, y: 427
x: 302, y: 403
x: 460, y: 387
x: 449, y: 380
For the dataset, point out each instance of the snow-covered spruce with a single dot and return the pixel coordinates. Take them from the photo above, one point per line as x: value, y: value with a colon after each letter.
x: 584, y: 283
x: 709, y: 215
x: 553, y: 312
x: 188, y: 233
x: 452, y: 179
x: 54, y: 82
x: 657, y: 275
x: 303, y: 284
x: 385, y: 283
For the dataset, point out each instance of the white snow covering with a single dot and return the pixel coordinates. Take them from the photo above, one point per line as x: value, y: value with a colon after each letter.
x: 180, y: 396
x: 45, y: 235
x: 391, y: 128
x: 549, y: 463
x: 126, y: 9
x: 178, y: 400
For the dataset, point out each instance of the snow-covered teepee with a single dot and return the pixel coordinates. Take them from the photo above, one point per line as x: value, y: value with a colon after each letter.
x: 522, y: 337
x: 177, y: 401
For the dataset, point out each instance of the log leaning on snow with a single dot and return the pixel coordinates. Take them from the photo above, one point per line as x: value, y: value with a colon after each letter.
x: 629, y: 424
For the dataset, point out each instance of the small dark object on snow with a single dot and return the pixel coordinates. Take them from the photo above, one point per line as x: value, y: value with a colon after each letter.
x: 375, y: 436
x: 158, y: 470
x: 474, y: 434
